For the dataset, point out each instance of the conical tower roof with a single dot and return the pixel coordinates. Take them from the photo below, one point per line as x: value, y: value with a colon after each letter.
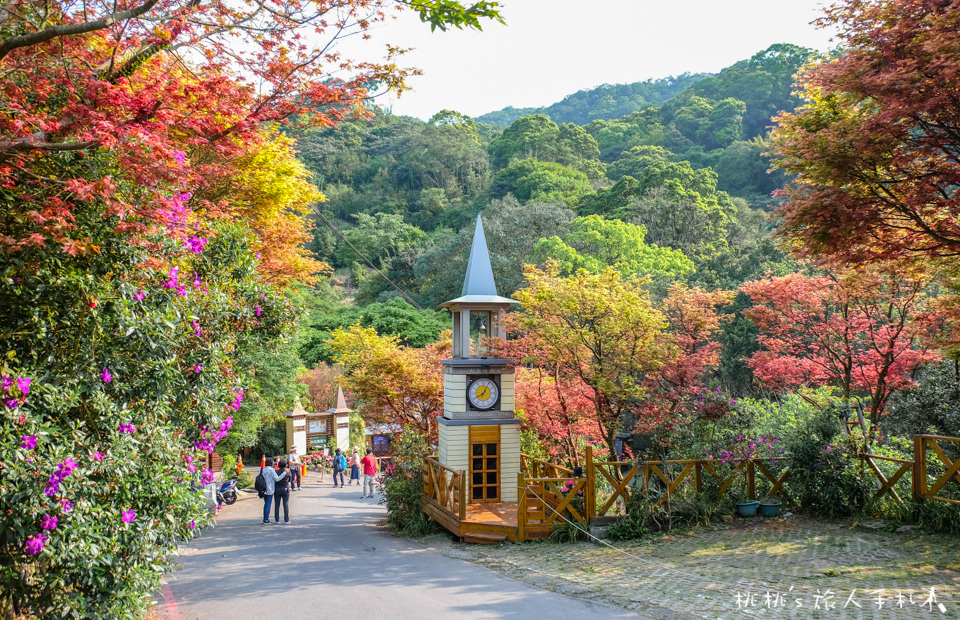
x: 341, y: 403
x: 478, y: 284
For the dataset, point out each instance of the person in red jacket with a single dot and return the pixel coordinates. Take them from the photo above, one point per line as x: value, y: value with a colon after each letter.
x: 369, y: 463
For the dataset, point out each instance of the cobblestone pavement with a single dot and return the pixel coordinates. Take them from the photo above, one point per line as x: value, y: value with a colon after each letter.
x: 782, y: 568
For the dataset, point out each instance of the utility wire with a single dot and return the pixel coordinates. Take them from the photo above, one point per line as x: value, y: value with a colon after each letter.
x: 339, y: 234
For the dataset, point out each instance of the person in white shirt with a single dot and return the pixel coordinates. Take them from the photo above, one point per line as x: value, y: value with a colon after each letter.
x: 296, y: 468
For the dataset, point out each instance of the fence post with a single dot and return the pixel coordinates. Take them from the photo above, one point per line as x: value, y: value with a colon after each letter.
x: 919, y: 468
x: 591, y: 498
x: 521, y: 508
x: 698, y: 477
x: 751, y: 481
x: 463, y: 495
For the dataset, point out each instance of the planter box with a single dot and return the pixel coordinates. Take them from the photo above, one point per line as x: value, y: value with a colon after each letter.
x: 748, y: 509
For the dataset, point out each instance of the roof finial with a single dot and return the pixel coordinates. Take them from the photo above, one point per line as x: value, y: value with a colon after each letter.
x: 479, y: 277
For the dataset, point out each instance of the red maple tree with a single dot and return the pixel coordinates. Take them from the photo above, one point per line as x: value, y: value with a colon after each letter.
x: 861, y: 330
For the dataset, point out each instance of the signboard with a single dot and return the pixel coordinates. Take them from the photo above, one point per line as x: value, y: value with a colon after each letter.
x: 318, y: 442
x: 318, y: 426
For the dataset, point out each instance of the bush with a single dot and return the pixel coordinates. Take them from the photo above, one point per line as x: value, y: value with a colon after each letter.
x: 825, y: 468
x: 402, y: 485
x: 118, y: 375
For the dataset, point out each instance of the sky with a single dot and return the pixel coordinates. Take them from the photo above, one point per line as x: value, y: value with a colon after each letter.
x: 553, y: 48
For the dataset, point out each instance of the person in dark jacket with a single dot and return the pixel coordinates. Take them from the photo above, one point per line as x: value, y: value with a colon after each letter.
x: 282, y: 494
x: 271, y: 476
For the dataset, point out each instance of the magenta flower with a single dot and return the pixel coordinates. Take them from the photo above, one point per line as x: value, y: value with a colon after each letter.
x: 192, y: 524
x: 139, y: 295
x: 6, y: 382
x: 98, y: 456
x: 24, y: 384
x: 180, y: 156
x: 49, y: 522
x: 66, y: 505
x: 258, y: 255
x: 35, y: 544
x: 196, y: 280
x: 129, y: 516
x: 28, y: 442
x: 207, y: 476
x: 195, y: 244
x: 130, y: 429
x: 258, y: 310
x: 12, y: 403
x: 829, y: 448
x: 198, y: 368
x: 197, y: 329
x: 106, y: 376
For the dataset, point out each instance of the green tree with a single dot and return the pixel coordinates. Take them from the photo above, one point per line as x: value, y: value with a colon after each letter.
x: 596, y: 244
x: 530, y: 179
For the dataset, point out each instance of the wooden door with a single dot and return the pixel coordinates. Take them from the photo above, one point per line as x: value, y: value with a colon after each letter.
x: 484, y: 464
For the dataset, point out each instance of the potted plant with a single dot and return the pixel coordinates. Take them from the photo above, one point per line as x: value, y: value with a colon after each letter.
x: 770, y: 507
x: 747, y: 508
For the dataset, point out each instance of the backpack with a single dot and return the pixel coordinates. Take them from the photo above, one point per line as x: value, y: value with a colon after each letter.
x: 341, y: 463
x: 260, y: 484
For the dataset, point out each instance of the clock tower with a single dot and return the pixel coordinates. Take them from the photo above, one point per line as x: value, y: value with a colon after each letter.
x: 478, y: 432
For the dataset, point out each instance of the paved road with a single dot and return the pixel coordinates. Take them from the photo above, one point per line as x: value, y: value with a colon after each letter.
x: 335, y: 560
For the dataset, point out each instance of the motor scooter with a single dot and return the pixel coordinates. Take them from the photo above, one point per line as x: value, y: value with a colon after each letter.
x: 227, y: 492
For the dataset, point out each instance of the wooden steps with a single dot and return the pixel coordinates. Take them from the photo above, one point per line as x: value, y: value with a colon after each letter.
x: 484, y: 538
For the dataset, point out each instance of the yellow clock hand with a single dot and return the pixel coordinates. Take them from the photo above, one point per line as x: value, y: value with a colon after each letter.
x: 483, y: 392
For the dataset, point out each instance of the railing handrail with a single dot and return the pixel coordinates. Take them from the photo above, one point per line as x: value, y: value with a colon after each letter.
x: 938, y: 437
x: 433, y: 460
x: 533, y: 459
x: 885, y: 458
x: 570, y: 479
x: 693, y: 461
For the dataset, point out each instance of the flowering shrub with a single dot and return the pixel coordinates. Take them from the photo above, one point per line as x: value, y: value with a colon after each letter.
x: 401, y: 484
x: 106, y: 414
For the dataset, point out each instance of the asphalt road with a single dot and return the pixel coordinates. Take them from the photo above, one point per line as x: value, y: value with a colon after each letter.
x: 336, y: 560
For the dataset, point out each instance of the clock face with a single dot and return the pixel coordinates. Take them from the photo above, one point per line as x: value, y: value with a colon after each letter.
x: 483, y: 393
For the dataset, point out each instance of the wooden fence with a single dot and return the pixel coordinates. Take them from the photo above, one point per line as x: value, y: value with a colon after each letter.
x: 444, y: 493
x: 926, y: 451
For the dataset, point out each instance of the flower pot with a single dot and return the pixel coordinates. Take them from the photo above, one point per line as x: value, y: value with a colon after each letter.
x: 748, y: 508
x: 769, y: 508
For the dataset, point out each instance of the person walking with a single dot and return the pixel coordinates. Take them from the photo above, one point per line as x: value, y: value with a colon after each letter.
x: 296, y: 468
x: 355, y: 466
x: 339, y: 464
x: 270, y: 478
x: 369, y: 472
x: 282, y: 494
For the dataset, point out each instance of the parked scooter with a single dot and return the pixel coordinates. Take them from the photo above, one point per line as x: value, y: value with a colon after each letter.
x: 227, y: 492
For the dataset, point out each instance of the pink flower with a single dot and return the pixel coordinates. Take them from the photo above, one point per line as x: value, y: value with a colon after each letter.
x: 24, y: 384
x: 35, y: 544
x: 207, y: 476
x: 49, y: 522
x: 179, y: 155
x: 129, y: 516
x: 197, y: 329
x: 139, y: 295
x: 192, y: 524
x: 258, y: 310
x: 98, y: 456
x: 198, y: 368
x: 195, y: 244
x: 66, y: 505
x: 28, y: 442
x: 130, y: 429
x: 106, y: 376
x: 12, y: 403
x: 6, y: 382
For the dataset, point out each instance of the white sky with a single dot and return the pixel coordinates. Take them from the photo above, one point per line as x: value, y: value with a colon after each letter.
x: 552, y: 48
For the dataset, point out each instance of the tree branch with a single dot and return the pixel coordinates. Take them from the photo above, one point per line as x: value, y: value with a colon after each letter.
x: 47, y: 34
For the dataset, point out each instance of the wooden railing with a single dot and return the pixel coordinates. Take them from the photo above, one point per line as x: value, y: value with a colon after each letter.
x: 924, y: 445
x: 620, y: 482
x: 445, y: 487
x: 535, y: 468
x: 886, y: 484
x: 546, y: 502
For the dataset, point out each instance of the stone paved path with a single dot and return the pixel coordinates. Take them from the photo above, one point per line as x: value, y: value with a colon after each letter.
x: 701, y: 575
